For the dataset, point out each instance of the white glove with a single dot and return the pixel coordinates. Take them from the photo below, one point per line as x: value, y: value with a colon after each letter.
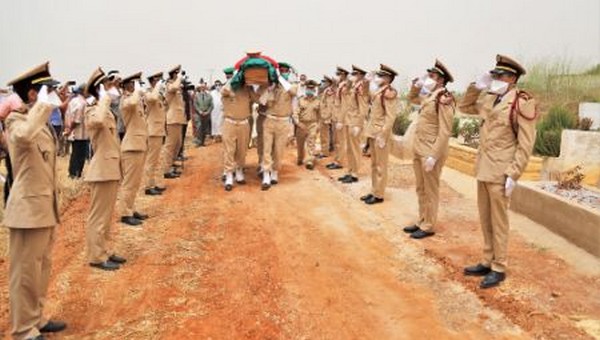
x: 49, y: 98
x: 113, y: 93
x: 355, y: 131
x: 102, y: 92
x: 90, y: 100
x: 429, y: 163
x: 136, y: 86
x: 483, y: 81
x: 380, y: 142
x: 509, y: 186
x: 421, y: 80
x: 284, y: 83
x: 339, y: 126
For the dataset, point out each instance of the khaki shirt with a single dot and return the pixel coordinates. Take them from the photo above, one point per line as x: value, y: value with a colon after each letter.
x: 156, y: 118
x: 434, y: 124
x: 384, y: 109
x: 102, y: 128
x: 176, y: 108
x: 33, y: 199
x: 307, y: 111
x: 279, y: 102
x: 237, y: 105
x: 501, y: 152
x: 327, y: 99
x: 343, y: 104
x: 136, y: 128
x: 359, y: 104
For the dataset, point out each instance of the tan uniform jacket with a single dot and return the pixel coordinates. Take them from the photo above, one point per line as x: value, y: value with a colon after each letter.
x: 327, y: 99
x: 343, y: 97
x: 384, y: 108
x: 156, y: 118
x: 102, y: 128
x: 434, y: 125
x: 237, y: 105
x: 307, y: 111
x: 359, y: 104
x: 136, y: 129
x: 501, y: 152
x: 279, y: 102
x: 174, y: 97
x: 33, y: 199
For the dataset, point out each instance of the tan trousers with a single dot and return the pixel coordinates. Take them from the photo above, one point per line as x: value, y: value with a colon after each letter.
x: 307, y: 141
x: 153, y: 174
x: 379, y: 167
x: 340, y: 141
x: 325, y: 135
x: 235, y: 144
x: 354, y: 151
x: 30, y: 256
x: 172, y: 145
x: 260, y: 121
x: 493, y: 215
x: 132, y: 164
x: 103, y: 198
x: 275, y: 138
x: 428, y: 192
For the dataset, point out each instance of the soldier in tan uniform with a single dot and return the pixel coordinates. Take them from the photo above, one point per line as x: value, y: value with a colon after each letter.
x: 236, y: 110
x: 307, y: 117
x: 434, y: 128
x: 103, y: 175
x: 155, y: 120
x: 175, y: 121
x: 379, y: 131
x: 133, y: 149
x: 326, y: 98
x: 356, y: 113
x: 276, y: 128
x: 342, y: 99
x: 507, y: 138
x: 31, y: 211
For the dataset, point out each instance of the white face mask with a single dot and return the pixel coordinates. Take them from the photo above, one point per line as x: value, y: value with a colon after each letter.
x: 353, y: 79
x: 498, y: 87
x: 429, y: 84
x: 378, y: 80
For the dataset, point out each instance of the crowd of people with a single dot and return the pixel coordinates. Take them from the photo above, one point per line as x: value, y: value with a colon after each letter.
x: 132, y: 133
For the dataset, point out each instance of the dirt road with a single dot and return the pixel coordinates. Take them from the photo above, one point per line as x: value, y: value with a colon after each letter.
x: 305, y: 260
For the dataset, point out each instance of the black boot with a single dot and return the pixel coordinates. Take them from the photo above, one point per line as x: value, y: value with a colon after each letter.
x: 477, y: 270
x: 130, y: 220
x: 492, y: 279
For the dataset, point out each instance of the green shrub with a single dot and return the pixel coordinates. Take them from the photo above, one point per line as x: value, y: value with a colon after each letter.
x: 455, y: 127
x: 549, y: 130
x: 470, y: 132
x: 401, y: 124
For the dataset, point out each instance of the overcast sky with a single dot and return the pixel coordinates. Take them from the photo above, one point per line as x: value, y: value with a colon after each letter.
x: 313, y: 35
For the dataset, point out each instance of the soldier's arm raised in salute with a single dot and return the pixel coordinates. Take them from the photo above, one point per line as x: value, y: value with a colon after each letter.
x: 470, y: 102
x: 96, y: 116
x: 22, y: 132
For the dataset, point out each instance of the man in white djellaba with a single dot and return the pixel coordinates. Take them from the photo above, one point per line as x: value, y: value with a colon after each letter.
x: 216, y: 116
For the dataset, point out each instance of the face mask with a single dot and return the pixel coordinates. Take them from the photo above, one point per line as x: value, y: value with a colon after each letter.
x: 498, y: 87
x: 429, y: 84
x: 310, y: 93
x: 378, y: 80
x: 353, y: 79
x: 285, y: 76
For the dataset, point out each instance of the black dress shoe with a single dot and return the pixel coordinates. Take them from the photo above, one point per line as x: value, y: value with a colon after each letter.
x: 274, y: 182
x: 160, y: 189
x: 130, y: 220
x: 153, y: 192
x: 106, y: 265
x: 411, y: 229
x: 477, y: 270
x: 374, y: 200
x: 228, y: 187
x: 366, y: 197
x: 419, y: 234
x: 117, y: 259
x: 170, y: 175
x: 333, y: 166
x: 343, y: 178
x: 350, y: 179
x: 492, y: 279
x: 140, y: 216
x: 53, y: 327
x: 330, y: 165
x: 265, y: 186
x: 310, y: 166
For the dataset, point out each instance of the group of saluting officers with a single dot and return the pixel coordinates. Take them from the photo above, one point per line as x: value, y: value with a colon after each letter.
x: 351, y: 105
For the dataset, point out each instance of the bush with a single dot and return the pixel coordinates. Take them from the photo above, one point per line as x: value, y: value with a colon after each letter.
x: 455, y: 127
x: 585, y: 124
x: 470, y: 132
x: 549, y: 130
x: 401, y: 124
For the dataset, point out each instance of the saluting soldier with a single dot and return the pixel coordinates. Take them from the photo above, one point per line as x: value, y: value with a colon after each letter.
x: 434, y: 127
x: 327, y: 98
x: 356, y: 114
x: 155, y: 121
x: 175, y: 120
x: 32, y: 208
x: 133, y: 149
x: 506, y: 142
x: 104, y: 173
x: 379, y: 131
x: 343, y: 95
x: 278, y: 109
x: 306, y: 117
